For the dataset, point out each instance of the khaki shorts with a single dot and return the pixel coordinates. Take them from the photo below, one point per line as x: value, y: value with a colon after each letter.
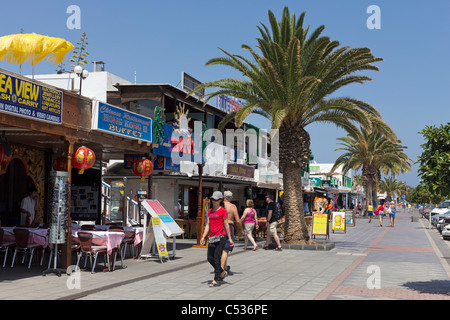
x: 248, y: 228
x: 273, y: 228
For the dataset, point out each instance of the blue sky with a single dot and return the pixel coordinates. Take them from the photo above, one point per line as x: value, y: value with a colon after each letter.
x: 160, y: 39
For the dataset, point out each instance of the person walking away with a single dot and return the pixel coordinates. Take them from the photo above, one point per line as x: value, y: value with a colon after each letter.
x: 380, y: 213
x: 370, y: 212
x: 216, y: 228
x: 250, y: 221
x: 233, y: 217
x: 271, y: 224
x: 29, y: 208
x: 359, y: 208
x: 392, y: 213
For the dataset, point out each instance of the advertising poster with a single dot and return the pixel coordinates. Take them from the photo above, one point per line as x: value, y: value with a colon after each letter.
x: 159, y: 237
x: 338, y: 221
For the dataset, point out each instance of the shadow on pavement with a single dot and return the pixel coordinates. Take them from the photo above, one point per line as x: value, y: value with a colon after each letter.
x: 431, y: 287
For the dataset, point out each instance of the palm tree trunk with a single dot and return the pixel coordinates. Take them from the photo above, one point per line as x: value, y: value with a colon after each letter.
x: 295, y: 225
x: 294, y: 156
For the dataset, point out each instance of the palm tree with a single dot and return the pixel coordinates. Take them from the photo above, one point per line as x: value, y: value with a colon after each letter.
x: 391, y: 186
x: 373, y: 152
x: 290, y: 82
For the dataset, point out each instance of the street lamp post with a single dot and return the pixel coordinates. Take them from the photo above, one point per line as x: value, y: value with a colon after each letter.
x: 82, y: 73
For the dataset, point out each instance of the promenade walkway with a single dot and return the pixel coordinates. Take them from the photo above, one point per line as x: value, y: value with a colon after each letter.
x: 407, y: 261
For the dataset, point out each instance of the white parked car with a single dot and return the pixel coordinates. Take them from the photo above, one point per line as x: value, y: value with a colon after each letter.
x: 442, y: 208
x: 446, y: 232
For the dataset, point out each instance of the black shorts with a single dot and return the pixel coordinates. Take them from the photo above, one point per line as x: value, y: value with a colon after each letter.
x: 227, y: 243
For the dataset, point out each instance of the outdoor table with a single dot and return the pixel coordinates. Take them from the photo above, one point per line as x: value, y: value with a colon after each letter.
x: 37, y: 235
x: 111, y: 240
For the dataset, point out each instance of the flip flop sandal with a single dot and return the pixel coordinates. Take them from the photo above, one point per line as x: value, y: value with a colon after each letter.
x: 278, y: 249
x: 214, y: 284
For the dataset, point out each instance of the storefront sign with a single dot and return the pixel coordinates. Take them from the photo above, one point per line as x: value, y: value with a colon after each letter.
x: 226, y: 104
x: 240, y: 170
x: 28, y: 99
x: 118, y: 121
x: 177, y: 147
x: 319, y: 224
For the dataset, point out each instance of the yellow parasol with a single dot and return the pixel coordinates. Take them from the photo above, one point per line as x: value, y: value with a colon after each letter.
x: 33, y: 48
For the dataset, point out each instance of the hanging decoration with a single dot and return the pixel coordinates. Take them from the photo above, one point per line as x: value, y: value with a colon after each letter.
x: 142, y: 168
x: 83, y: 159
x: 60, y: 163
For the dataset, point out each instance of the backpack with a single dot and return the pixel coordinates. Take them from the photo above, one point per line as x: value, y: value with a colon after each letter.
x: 278, y: 214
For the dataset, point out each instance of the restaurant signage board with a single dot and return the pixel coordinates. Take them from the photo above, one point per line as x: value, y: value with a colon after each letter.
x: 168, y: 225
x: 338, y: 221
x: 28, y: 99
x: 121, y: 122
x: 320, y: 225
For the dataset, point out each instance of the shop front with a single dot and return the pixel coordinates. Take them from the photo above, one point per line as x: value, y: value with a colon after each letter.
x: 41, y: 128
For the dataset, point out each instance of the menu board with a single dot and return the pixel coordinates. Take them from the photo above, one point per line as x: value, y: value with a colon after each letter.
x: 84, y: 204
x: 156, y: 210
x: 320, y: 224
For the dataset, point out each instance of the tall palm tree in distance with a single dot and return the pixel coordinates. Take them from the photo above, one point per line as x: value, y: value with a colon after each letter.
x: 372, y: 151
x: 290, y: 81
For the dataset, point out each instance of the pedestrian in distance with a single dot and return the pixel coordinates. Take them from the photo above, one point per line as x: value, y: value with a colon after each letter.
x: 250, y: 221
x: 358, y: 208
x: 233, y: 217
x: 392, y: 213
x: 370, y: 212
x: 380, y: 213
x: 271, y: 224
x: 217, y: 229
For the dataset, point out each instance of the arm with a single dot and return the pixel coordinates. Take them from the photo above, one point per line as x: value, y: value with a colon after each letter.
x: 244, y: 215
x: 205, y: 232
x: 227, y: 230
x: 269, y: 216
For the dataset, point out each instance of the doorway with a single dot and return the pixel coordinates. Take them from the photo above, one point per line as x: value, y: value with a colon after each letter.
x: 14, y: 186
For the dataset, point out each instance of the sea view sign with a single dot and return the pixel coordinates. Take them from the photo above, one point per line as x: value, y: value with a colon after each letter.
x: 30, y: 100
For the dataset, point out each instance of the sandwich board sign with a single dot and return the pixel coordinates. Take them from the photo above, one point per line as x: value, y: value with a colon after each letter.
x: 161, y: 221
x: 168, y: 225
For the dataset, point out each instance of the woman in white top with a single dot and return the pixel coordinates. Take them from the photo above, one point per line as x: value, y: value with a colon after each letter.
x: 249, y: 220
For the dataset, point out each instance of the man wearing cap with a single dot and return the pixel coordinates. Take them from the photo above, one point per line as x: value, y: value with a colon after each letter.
x: 233, y: 216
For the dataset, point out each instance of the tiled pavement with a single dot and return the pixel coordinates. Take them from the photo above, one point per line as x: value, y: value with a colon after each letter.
x: 368, y: 262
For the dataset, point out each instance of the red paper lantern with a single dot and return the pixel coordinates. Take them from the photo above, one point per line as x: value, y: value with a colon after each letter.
x: 83, y: 159
x: 60, y: 163
x: 142, y: 168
